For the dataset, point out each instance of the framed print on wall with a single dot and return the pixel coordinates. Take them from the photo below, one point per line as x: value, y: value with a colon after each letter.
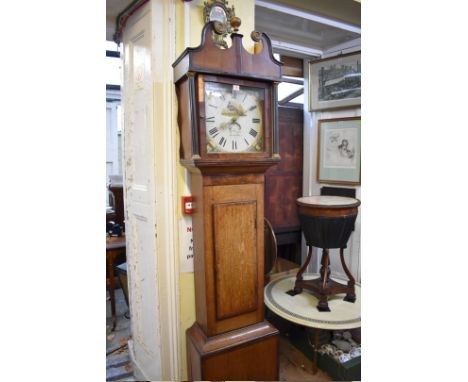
x: 339, y: 151
x: 335, y: 82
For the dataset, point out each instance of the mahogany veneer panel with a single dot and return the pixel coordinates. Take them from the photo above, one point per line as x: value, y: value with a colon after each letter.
x: 283, y: 182
x: 283, y: 191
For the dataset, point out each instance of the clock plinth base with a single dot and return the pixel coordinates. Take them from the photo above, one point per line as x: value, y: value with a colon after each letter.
x: 249, y: 353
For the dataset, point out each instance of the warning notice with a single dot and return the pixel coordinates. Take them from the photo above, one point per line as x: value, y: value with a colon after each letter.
x: 186, y: 244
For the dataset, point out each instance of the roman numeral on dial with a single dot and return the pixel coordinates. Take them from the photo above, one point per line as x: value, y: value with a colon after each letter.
x: 209, y: 119
x: 214, y: 131
x: 256, y: 120
x: 222, y: 141
x: 234, y: 145
x: 253, y: 133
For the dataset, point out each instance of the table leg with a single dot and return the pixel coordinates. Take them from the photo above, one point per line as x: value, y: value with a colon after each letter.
x: 110, y: 273
x: 325, y: 267
x: 350, y: 296
x: 324, y: 278
x: 297, y: 289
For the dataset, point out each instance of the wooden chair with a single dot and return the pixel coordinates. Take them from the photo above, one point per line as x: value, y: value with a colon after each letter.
x: 271, y: 249
x: 275, y: 266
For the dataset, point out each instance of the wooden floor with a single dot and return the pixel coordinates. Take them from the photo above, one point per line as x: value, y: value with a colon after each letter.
x: 295, y: 366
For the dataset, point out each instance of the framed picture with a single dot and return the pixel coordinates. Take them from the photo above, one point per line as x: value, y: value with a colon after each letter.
x: 339, y: 151
x: 335, y: 82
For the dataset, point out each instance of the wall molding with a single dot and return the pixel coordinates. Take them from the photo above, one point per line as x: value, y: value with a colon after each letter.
x: 163, y: 55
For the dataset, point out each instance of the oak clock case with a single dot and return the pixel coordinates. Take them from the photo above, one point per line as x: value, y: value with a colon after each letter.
x: 228, y: 139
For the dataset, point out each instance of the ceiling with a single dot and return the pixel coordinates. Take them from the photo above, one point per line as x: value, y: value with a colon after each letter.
x: 311, y: 27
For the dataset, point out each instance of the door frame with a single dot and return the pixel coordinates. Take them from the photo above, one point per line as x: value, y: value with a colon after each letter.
x: 167, y: 343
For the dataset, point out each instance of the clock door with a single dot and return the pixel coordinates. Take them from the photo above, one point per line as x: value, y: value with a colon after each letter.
x: 235, y: 118
x: 235, y: 253
x: 234, y: 248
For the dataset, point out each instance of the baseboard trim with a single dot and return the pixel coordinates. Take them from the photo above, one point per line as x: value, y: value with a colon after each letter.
x: 137, y: 371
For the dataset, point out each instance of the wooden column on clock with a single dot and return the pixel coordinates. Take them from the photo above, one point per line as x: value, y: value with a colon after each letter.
x: 228, y: 138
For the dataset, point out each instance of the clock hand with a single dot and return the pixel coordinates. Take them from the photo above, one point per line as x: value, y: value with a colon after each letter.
x: 240, y: 111
x: 233, y: 111
x: 229, y: 113
x: 234, y: 126
x: 223, y: 125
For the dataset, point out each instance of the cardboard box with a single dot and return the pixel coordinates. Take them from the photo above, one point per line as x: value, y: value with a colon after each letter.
x: 347, y: 371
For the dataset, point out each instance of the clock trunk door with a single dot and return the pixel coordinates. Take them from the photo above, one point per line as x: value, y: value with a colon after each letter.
x: 234, y: 243
x: 235, y: 257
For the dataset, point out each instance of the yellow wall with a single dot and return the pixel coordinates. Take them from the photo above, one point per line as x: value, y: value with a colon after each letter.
x: 189, y: 21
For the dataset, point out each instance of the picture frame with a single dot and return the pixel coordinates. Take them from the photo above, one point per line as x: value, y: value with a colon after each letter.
x: 335, y: 82
x: 339, y: 151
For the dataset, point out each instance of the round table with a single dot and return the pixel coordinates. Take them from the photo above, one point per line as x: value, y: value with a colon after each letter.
x: 300, y: 309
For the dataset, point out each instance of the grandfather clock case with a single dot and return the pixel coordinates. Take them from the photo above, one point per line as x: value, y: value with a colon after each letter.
x: 228, y: 138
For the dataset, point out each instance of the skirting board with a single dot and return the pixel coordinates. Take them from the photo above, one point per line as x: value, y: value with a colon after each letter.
x: 137, y: 371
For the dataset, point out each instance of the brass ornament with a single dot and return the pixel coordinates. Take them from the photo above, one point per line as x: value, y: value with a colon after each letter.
x: 256, y: 36
x: 235, y: 23
x: 219, y: 28
x: 219, y: 12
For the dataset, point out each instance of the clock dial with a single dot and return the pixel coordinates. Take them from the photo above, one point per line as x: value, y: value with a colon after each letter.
x: 233, y: 118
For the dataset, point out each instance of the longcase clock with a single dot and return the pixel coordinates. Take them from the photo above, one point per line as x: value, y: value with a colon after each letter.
x: 228, y: 139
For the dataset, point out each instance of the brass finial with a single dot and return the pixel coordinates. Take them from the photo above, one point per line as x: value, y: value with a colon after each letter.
x: 219, y: 27
x: 235, y: 23
x: 256, y: 36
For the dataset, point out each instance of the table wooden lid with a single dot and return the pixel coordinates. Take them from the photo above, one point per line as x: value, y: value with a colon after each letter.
x: 115, y: 242
x: 327, y: 201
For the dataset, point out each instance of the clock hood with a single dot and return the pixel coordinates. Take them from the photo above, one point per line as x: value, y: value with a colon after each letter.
x: 235, y: 61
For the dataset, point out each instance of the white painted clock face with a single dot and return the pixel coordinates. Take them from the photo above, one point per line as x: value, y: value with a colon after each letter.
x: 233, y: 118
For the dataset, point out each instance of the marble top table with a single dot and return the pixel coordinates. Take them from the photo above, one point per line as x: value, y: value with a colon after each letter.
x: 301, y: 308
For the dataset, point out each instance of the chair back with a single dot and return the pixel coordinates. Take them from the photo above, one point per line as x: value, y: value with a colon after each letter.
x: 271, y: 248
